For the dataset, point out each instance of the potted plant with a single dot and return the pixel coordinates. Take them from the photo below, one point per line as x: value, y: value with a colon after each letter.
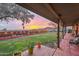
x: 30, y: 48
x: 38, y: 45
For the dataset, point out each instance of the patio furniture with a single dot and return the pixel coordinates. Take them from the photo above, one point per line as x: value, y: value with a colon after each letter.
x: 74, y: 41
x: 38, y: 45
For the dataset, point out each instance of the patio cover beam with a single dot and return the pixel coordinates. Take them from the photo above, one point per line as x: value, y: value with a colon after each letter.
x: 45, y: 10
x: 68, y: 13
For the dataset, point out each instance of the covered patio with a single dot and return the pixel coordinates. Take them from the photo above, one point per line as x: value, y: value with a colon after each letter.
x: 64, y: 15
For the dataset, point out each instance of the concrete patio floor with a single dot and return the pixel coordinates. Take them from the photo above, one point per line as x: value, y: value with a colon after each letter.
x: 43, y: 51
x: 65, y: 49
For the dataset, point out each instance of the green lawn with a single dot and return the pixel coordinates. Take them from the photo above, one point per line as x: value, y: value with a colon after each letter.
x: 8, y: 47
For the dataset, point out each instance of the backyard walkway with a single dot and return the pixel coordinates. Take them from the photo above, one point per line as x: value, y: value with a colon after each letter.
x: 65, y: 49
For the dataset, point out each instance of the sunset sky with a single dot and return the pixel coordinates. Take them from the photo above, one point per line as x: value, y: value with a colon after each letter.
x: 36, y: 23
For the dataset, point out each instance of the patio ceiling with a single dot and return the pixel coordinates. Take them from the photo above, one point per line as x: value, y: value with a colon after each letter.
x: 67, y: 13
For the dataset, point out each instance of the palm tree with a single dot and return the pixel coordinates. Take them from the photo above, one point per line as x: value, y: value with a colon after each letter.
x: 11, y: 10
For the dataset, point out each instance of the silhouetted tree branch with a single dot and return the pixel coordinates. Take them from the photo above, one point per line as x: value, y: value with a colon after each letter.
x: 11, y: 10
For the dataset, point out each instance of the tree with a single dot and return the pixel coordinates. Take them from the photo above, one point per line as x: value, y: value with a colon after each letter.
x: 11, y: 10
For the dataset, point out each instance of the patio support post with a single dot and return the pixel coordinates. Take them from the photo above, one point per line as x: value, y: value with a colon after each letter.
x: 73, y: 28
x: 76, y: 29
x: 58, y: 34
x: 64, y: 29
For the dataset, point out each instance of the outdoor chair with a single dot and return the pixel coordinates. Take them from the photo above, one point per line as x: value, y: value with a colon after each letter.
x: 74, y: 41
